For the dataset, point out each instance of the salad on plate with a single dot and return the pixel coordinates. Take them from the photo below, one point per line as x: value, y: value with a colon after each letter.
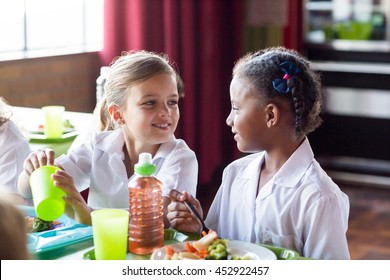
x: 211, y: 247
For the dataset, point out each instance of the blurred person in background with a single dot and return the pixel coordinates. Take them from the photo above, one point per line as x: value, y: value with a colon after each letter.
x: 14, y: 149
x: 13, y: 233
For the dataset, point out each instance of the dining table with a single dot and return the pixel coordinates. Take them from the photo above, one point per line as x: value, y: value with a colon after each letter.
x: 66, y: 239
x: 75, y: 241
x: 30, y: 121
x: 84, y: 250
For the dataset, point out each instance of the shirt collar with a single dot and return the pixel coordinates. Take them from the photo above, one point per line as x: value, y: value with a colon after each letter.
x: 292, y: 170
x: 166, y: 148
x: 295, y: 167
x: 110, y: 141
x: 253, y: 167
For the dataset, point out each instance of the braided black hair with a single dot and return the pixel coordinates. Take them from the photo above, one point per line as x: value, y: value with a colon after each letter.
x: 263, y: 67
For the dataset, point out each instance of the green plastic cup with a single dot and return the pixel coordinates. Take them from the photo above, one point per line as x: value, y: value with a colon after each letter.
x: 53, y: 121
x: 48, y: 199
x: 110, y: 231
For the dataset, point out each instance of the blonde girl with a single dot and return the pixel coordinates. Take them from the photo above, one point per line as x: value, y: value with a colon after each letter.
x: 139, y: 113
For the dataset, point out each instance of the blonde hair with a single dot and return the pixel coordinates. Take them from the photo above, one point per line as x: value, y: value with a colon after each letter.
x: 129, y: 69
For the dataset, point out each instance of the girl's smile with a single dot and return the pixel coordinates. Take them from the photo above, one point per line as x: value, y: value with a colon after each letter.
x: 162, y: 126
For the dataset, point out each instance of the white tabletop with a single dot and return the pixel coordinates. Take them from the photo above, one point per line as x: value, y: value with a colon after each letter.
x: 28, y: 119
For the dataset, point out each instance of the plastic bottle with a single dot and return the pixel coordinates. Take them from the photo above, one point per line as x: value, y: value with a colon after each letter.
x: 146, y: 224
x: 100, y: 81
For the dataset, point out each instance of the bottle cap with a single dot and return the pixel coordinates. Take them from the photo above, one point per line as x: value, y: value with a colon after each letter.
x: 145, y: 166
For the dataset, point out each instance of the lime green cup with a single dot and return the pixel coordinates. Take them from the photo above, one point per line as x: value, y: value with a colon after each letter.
x: 48, y: 199
x: 53, y: 121
x: 110, y: 231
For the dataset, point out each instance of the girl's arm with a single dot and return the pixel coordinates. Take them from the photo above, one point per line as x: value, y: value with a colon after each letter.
x: 76, y: 207
x: 24, y: 188
x: 179, y: 172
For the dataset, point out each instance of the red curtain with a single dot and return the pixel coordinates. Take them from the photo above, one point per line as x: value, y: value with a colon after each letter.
x: 292, y: 35
x: 204, y: 38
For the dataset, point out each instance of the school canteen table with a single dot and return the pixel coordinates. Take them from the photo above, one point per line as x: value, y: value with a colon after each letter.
x: 84, y: 250
x: 28, y: 119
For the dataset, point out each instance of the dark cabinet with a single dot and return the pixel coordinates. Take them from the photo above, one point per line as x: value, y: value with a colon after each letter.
x: 353, y: 143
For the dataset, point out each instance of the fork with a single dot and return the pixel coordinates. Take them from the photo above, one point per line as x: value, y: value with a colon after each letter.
x: 197, y: 215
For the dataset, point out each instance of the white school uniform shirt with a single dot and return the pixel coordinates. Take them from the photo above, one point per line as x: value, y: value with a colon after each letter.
x: 300, y: 208
x: 14, y: 149
x: 97, y: 164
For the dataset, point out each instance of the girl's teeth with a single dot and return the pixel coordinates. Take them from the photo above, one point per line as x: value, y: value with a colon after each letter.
x: 162, y: 125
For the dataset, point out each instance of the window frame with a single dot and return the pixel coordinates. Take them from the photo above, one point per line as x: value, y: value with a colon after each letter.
x: 86, y: 46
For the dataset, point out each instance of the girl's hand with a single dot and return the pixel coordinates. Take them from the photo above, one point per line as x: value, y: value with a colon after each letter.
x: 37, y: 159
x: 179, y: 216
x: 76, y: 207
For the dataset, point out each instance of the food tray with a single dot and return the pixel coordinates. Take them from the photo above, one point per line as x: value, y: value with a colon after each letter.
x: 71, y: 232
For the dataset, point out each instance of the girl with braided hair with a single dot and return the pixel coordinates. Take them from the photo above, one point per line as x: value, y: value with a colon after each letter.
x: 278, y: 195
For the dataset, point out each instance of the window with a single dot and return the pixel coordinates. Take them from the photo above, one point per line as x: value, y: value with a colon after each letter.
x: 42, y: 26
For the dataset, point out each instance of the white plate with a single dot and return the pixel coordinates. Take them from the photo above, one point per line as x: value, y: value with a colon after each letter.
x: 237, y: 248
